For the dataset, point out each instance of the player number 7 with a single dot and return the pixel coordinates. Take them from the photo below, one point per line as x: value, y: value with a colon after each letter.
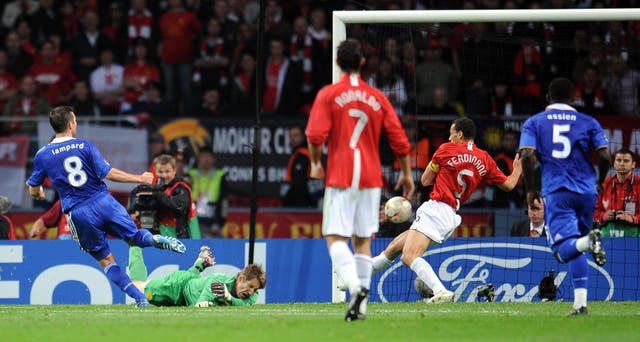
x: 362, y: 121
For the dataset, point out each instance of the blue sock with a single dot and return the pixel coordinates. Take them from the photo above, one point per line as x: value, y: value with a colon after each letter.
x: 579, y: 270
x: 122, y: 280
x: 143, y: 238
x: 567, y: 250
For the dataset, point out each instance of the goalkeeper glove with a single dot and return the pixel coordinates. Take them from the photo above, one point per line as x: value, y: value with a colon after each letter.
x: 204, y: 304
x: 221, y: 292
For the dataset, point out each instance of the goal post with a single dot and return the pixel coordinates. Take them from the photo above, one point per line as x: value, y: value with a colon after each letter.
x: 341, y: 20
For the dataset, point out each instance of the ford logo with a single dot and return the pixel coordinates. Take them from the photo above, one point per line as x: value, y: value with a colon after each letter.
x: 514, y: 269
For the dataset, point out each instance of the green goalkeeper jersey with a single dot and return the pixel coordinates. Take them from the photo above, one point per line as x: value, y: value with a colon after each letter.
x: 199, y: 290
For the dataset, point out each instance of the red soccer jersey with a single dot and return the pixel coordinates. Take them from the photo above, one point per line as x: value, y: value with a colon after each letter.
x: 178, y: 30
x: 351, y: 115
x: 54, y: 80
x: 143, y: 74
x: 461, y: 167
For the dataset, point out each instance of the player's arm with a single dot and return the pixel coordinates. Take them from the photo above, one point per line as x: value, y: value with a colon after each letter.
x: 315, y: 151
x: 514, y: 177
x: 429, y: 174
x: 405, y: 180
x: 118, y: 175
x: 528, y: 161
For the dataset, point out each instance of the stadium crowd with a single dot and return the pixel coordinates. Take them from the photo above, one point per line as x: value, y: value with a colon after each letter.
x: 197, y: 58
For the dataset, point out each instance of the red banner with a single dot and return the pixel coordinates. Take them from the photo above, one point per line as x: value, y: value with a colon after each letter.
x: 622, y: 132
x: 13, y: 151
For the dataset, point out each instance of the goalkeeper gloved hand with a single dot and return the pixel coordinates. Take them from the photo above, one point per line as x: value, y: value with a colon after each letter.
x: 204, y: 304
x: 221, y: 292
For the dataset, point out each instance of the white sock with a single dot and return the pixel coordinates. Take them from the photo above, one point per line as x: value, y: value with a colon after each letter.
x: 426, y: 273
x: 582, y: 244
x: 579, y: 298
x: 363, y: 268
x: 380, y: 263
x: 345, y: 265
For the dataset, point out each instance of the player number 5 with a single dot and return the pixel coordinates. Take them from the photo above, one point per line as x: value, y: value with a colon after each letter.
x: 73, y: 165
x: 559, y: 138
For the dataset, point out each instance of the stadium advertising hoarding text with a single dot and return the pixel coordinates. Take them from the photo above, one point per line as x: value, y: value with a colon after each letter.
x: 299, y: 270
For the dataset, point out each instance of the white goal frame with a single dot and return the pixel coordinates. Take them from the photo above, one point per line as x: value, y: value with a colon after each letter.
x: 342, y: 18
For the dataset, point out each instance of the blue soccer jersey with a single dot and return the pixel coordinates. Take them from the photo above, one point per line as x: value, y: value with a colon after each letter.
x: 564, y: 139
x: 75, y: 167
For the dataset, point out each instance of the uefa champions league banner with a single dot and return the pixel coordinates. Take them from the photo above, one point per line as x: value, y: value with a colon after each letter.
x: 299, y: 270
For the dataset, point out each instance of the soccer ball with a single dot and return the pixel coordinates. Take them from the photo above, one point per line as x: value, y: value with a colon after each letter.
x: 422, y: 289
x: 397, y: 209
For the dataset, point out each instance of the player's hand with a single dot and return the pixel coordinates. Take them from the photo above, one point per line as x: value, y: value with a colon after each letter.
x: 317, y: 171
x: 221, y: 291
x: 35, y: 231
x: 204, y: 304
x: 407, y: 185
x: 146, y: 178
x: 517, y: 164
x: 622, y: 216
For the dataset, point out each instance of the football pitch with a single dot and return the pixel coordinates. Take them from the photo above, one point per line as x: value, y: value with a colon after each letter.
x: 323, y: 322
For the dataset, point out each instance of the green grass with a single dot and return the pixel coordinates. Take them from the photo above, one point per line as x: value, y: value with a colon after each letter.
x: 323, y: 322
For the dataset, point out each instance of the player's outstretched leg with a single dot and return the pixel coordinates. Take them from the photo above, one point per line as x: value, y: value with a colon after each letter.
x: 595, y: 246
x: 205, y: 259
x: 170, y: 243
x: 577, y: 312
x: 355, y: 311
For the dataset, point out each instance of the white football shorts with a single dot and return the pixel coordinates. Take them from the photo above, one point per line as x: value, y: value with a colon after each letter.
x: 349, y: 211
x: 436, y: 220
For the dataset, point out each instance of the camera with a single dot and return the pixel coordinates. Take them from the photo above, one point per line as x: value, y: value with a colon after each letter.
x: 487, y: 292
x: 145, y: 203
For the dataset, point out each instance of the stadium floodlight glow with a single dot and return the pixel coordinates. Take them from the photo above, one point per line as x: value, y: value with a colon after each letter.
x: 341, y: 18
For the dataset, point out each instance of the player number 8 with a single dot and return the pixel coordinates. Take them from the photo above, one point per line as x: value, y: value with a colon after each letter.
x: 77, y: 177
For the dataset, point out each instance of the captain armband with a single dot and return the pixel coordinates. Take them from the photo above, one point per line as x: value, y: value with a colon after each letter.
x: 434, y: 167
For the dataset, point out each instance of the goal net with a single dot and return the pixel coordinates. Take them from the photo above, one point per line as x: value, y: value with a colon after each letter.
x: 494, y: 66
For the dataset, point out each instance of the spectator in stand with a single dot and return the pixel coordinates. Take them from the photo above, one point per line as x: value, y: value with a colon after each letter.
x: 54, y: 80
x: 212, y: 61
x: 321, y: 57
x: 276, y: 25
x: 16, y: 9
x: 138, y: 74
x: 152, y: 103
x: 596, y: 58
x: 527, y: 72
x: 46, y: 21
x: 23, y: 29
x: 501, y: 102
x: 301, y: 52
x: 228, y: 21
x: 623, y: 88
x: 431, y: 73
x: 63, y: 56
x: 8, y: 83
x: 27, y: 102
x: 441, y: 104
x: 115, y: 29
x: 407, y: 69
x: 82, y: 101
x: 533, y: 226
x: 54, y: 217
x: 209, y: 192
x: 212, y: 105
x: 246, y: 43
x: 390, y: 84
x: 391, y: 52
x: 107, y: 84
x: 140, y: 21
x: 18, y: 60
x: 87, y: 46
x: 283, y: 82
x: 69, y: 19
x: 589, y: 96
x: 7, y: 231
x: 295, y: 191
x: 178, y: 28
x: 618, y: 204
x: 504, y: 160
x: 243, y: 86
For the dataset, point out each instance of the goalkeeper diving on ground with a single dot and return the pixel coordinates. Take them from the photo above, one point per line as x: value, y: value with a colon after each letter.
x: 189, y: 288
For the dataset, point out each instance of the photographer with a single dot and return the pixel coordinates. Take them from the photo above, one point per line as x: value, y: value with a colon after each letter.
x: 617, y: 205
x: 169, y: 202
